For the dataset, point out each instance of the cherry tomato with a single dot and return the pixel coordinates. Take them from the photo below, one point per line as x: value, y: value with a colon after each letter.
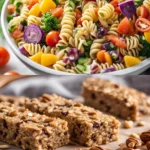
x: 142, y: 12
x: 78, y: 14
x: 11, y: 8
x: 52, y: 38
x: 117, y: 9
x: 116, y: 40
x: 16, y: 33
x: 11, y: 73
x: 4, y: 56
x: 142, y: 24
x: 124, y: 27
x: 114, y: 3
x: 32, y: 3
x: 57, y: 12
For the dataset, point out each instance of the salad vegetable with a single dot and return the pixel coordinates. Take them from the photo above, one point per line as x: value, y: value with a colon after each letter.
x: 49, y: 22
x: 52, y: 38
x: 4, y: 56
x: 33, y: 34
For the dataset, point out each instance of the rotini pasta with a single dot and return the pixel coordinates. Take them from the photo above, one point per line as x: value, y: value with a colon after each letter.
x: 96, y: 47
x: 34, y: 20
x: 60, y: 66
x: 114, y: 28
x: 146, y: 3
x: 117, y: 66
x: 132, y: 41
x: 106, y: 11
x: 33, y: 49
x: 82, y: 37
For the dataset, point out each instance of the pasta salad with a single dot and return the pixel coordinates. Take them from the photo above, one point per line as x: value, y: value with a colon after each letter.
x: 82, y: 36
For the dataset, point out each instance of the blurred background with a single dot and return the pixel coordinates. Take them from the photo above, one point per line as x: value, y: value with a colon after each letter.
x: 67, y: 86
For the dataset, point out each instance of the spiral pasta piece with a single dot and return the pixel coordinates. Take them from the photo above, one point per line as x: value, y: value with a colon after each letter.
x: 117, y: 66
x: 96, y: 47
x: 60, y: 66
x: 67, y: 24
x: 91, y: 28
x: 114, y: 28
x: 106, y: 11
x: 89, y: 14
x: 88, y: 5
x: 113, y: 18
x: 74, y: 70
x: 34, y: 20
x: 101, y: 3
x: 132, y: 42
x: 33, y: 49
x: 23, y: 16
x: 146, y: 3
x: 20, y: 41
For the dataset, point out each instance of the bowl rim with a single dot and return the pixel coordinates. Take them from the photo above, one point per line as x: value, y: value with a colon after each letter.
x: 131, y: 70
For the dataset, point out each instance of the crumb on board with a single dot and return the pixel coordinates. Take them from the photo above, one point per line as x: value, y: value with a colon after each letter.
x: 4, y: 146
x: 127, y: 124
x: 141, y: 123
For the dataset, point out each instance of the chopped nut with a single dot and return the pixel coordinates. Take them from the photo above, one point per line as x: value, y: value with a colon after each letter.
x: 141, y: 123
x: 133, y: 143
x: 96, y: 148
x: 128, y: 124
x: 134, y: 135
x: 145, y: 136
x: 13, y: 113
x: 128, y: 148
x: 148, y: 145
x: 4, y: 146
x: 30, y: 114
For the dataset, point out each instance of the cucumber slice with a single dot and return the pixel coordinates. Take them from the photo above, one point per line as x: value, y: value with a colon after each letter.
x: 72, y: 4
x: 82, y: 61
x: 81, y: 67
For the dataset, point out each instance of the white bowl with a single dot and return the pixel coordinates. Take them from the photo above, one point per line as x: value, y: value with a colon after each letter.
x: 43, y: 70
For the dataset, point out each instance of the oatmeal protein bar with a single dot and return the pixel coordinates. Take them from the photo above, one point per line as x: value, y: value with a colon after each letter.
x: 22, y: 128
x: 18, y: 101
x: 87, y: 126
x: 115, y: 99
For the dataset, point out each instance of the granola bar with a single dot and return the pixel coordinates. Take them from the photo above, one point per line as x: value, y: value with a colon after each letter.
x: 87, y: 126
x: 18, y: 101
x: 115, y: 99
x: 22, y: 128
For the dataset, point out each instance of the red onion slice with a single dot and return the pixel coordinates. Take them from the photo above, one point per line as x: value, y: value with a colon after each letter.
x: 33, y: 34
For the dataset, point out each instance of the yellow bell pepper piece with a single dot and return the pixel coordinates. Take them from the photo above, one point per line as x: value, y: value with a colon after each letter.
x: 46, y: 5
x: 37, y: 57
x: 48, y: 59
x: 131, y: 61
x: 147, y: 36
x: 35, y: 10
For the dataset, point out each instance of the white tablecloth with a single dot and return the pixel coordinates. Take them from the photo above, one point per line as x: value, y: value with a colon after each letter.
x: 14, y: 63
